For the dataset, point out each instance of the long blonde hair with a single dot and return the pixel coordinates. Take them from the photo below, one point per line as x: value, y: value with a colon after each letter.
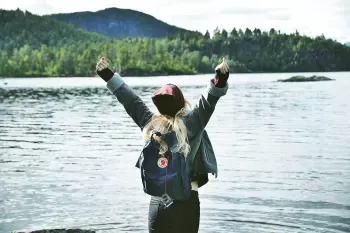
x: 165, y: 124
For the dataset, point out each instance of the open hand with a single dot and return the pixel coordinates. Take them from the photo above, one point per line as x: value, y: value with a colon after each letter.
x: 102, y: 64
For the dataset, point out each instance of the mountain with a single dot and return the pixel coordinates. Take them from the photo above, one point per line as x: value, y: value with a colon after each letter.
x: 115, y: 22
x: 347, y: 44
x: 19, y: 28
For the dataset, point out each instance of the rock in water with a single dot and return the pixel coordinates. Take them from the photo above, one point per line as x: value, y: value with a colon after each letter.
x: 62, y: 231
x: 313, y: 78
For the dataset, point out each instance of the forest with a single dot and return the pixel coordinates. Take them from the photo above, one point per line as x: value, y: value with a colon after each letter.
x: 37, y: 46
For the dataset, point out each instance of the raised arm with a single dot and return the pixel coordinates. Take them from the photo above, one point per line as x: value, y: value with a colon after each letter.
x: 132, y: 103
x: 199, y: 117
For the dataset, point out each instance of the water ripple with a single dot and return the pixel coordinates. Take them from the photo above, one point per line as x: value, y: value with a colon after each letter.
x: 68, y: 154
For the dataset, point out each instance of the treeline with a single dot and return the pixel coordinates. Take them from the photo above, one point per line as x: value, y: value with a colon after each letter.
x: 19, y: 28
x: 63, y: 50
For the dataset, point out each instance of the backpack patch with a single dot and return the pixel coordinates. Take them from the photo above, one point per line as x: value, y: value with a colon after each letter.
x: 162, y: 162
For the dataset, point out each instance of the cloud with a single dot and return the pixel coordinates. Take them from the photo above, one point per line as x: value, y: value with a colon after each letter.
x: 272, y: 13
x: 41, y: 6
x: 34, y: 6
x: 248, y: 10
x: 282, y: 17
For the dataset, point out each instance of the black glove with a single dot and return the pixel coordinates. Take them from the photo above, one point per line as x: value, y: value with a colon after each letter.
x: 103, y: 70
x: 222, y: 74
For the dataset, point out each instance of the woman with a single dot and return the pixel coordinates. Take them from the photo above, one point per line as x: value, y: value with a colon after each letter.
x: 175, y: 114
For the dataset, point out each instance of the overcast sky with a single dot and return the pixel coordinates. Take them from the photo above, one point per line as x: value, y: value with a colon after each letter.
x: 310, y: 17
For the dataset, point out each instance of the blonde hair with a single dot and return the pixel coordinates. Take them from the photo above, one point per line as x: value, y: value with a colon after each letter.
x: 165, y: 124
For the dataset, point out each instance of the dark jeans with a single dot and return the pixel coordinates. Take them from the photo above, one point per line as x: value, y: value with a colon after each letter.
x: 179, y: 217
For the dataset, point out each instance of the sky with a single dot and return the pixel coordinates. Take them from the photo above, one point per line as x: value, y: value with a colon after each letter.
x: 309, y: 17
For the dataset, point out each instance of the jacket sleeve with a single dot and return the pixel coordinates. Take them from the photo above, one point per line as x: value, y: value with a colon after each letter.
x: 199, y: 117
x: 132, y: 103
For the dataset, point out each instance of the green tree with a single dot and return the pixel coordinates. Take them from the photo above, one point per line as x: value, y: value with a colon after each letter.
x: 248, y: 32
x: 207, y: 35
x: 234, y: 33
x: 224, y: 34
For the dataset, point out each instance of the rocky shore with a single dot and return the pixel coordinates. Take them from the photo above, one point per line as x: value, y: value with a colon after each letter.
x: 300, y: 78
x: 61, y: 231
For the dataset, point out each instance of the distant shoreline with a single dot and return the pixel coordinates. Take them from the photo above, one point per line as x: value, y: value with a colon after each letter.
x: 167, y: 75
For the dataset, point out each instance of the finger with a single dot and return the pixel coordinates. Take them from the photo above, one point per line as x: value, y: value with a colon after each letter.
x: 97, y: 67
x: 225, y: 64
x: 103, y: 62
x: 226, y: 68
x: 223, y: 70
x: 101, y: 66
x: 99, y: 63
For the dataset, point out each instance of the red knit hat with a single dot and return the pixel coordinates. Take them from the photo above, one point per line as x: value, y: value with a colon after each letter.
x: 168, y: 100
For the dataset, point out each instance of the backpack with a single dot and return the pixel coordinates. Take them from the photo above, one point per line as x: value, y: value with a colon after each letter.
x: 166, y: 176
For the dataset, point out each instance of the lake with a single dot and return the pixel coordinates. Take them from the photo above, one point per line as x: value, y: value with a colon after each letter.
x: 68, y: 152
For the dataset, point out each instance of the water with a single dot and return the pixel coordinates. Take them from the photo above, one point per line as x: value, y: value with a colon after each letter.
x: 68, y: 152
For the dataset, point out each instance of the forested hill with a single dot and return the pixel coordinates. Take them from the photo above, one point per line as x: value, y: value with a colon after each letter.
x: 32, y: 45
x: 115, y: 22
x: 18, y: 28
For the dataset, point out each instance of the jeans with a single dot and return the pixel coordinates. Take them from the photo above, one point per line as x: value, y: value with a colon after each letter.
x: 179, y: 217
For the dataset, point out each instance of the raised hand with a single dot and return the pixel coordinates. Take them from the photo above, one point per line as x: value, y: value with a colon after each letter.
x: 222, y: 74
x: 223, y: 67
x: 102, y: 64
x: 103, y: 70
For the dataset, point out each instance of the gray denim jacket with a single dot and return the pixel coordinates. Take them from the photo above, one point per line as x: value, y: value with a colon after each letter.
x: 201, y: 160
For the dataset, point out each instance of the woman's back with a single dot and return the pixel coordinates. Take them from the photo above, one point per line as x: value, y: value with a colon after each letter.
x: 193, y: 141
